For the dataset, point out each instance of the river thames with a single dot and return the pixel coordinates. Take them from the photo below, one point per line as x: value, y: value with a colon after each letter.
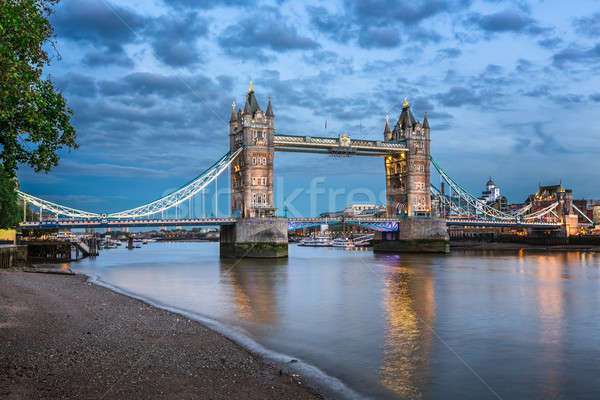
x: 470, y: 325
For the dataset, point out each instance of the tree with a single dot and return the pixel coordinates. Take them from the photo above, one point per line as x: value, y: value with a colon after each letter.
x: 9, y: 208
x: 35, y: 122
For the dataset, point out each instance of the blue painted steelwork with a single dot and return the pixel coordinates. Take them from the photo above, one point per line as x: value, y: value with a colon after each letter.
x: 376, y: 224
x: 126, y: 223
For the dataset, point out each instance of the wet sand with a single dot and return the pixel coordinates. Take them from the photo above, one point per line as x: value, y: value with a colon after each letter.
x: 62, y: 337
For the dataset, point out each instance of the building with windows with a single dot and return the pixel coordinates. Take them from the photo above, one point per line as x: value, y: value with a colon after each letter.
x: 354, y: 210
x: 491, y: 192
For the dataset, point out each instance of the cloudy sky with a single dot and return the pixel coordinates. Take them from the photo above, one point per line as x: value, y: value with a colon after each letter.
x: 512, y: 90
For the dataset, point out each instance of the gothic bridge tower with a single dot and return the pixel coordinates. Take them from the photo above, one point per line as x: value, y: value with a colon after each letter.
x: 408, y: 192
x: 407, y: 175
x: 252, y: 171
x: 257, y: 231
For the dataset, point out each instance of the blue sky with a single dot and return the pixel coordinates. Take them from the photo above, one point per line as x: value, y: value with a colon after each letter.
x: 511, y: 88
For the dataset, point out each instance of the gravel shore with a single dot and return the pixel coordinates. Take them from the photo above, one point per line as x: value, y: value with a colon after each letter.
x: 64, y: 338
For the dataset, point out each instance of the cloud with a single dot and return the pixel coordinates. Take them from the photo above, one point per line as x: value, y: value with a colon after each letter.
x: 448, y: 53
x: 575, y: 55
x: 208, y: 4
x: 567, y: 99
x: 595, y: 97
x: 506, y: 21
x: 550, y: 43
x: 174, y: 38
x: 381, y: 12
x: 96, y: 22
x: 77, y: 84
x: 68, y: 167
x: 377, y: 24
x: 106, y: 56
x: 459, y: 96
x: 541, y: 142
x: 336, y: 27
x: 379, y: 37
x: 588, y: 26
x: 267, y: 29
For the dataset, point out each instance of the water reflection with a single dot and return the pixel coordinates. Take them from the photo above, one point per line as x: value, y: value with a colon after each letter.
x: 409, y: 301
x: 253, y: 287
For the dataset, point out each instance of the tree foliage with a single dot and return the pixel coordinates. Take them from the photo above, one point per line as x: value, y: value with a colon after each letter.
x: 35, y: 122
x: 9, y: 209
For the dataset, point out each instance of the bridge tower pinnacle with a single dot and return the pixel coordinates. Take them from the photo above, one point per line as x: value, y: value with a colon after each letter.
x: 252, y: 171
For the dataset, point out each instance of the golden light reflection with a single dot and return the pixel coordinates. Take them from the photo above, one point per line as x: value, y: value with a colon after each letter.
x: 551, y: 272
x: 410, y: 310
x: 253, y: 293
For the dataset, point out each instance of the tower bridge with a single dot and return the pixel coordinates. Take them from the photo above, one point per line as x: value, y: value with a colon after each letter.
x: 253, y: 229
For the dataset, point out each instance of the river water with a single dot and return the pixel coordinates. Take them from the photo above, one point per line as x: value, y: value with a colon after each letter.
x: 470, y: 325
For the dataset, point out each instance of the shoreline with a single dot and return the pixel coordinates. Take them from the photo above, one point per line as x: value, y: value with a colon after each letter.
x: 66, y: 337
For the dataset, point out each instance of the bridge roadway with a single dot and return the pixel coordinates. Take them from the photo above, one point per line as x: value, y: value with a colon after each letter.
x: 380, y: 224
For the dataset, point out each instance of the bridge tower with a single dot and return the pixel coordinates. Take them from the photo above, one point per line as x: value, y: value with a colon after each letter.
x: 408, y: 191
x: 257, y: 231
x: 407, y: 174
x: 252, y: 171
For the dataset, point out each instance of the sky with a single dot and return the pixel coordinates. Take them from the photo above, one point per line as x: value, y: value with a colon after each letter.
x: 512, y: 91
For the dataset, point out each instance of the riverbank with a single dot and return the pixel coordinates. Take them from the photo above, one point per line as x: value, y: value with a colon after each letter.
x: 62, y: 337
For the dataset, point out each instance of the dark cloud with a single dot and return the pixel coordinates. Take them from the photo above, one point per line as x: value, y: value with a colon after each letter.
x: 378, y: 23
x: 208, y: 4
x: 506, y: 21
x: 595, y: 97
x: 108, y: 27
x: 331, y: 60
x: 174, y: 38
x: 379, y: 66
x: 379, y: 37
x: 77, y: 84
x: 266, y: 29
x: 459, y: 96
x: 538, y: 91
x: 576, y: 55
x: 567, y: 99
x: 524, y: 66
x: 550, y: 43
x: 383, y: 12
x: 448, y: 53
x: 493, y: 69
x: 336, y: 27
x: 99, y: 23
x: 541, y: 141
x: 106, y: 56
x: 588, y: 26
x: 166, y: 86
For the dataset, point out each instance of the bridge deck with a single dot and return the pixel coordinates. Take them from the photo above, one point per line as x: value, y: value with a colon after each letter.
x: 384, y: 224
x: 126, y: 223
x: 340, y: 145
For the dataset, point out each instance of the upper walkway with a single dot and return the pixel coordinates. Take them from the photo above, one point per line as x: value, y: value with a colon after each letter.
x: 343, y: 145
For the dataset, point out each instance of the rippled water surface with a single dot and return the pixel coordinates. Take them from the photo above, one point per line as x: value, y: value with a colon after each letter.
x: 464, y: 326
